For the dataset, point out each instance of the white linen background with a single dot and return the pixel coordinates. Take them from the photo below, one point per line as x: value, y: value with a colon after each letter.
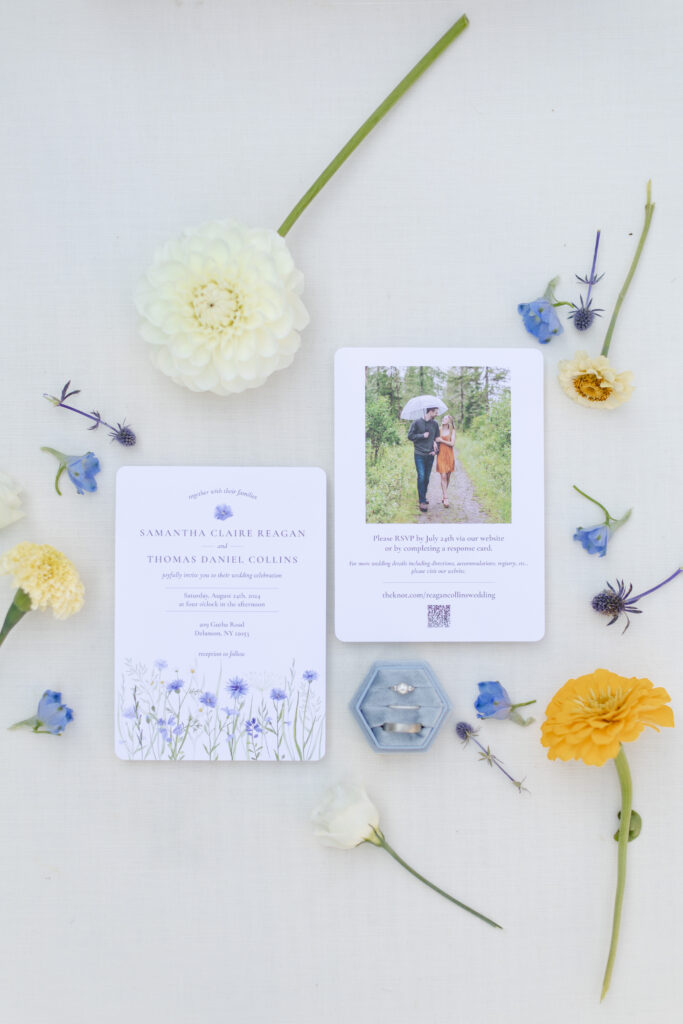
x: 174, y: 892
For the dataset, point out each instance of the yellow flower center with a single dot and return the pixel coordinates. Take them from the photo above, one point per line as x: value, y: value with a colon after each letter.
x: 592, y: 387
x: 217, y: 306
x: 600, y: 703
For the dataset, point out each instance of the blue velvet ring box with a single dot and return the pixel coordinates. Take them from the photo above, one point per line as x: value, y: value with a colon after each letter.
x: 376, y: 703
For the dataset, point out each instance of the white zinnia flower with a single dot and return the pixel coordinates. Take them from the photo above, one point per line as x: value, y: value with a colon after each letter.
x: 10, y: 502
x: 346, y: 817
x: 590, y: 380
x: 221, y: 307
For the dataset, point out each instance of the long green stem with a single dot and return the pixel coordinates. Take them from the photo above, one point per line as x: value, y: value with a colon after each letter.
x: 624, y: 774
x: 18, y: 608
x: 367, y: 126
x: 380, y: 840
x: 595, y: 502
x: 649, y: 210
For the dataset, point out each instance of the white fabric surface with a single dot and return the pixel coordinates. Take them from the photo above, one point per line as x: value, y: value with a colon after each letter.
x: 164, y: 893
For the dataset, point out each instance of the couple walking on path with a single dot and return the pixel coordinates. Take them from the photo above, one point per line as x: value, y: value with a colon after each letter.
x: 432, y: 441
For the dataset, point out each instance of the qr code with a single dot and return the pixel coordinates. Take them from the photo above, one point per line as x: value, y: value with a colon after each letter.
x: 438, y: 616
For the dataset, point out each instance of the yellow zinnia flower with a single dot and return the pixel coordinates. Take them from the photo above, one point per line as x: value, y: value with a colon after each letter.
x: 46, y: 576
x: 589, y: 717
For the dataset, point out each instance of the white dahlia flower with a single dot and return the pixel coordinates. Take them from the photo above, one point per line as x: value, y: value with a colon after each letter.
x: 220, y: 307
x: 10, y: 502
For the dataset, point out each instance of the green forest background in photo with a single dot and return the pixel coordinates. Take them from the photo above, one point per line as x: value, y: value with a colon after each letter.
x: 478, y: 399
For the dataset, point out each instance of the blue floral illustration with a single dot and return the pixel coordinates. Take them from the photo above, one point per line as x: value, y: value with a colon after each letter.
x: 237, y: 687
x: 174, y: 720
x: 223, y: 512
x: 160, y: 664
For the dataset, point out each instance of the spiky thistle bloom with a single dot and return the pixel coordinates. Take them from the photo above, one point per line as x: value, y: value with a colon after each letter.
x: 466, y: 732
x: 584, y: 315
x: 122, y: 433
x: 617, y: 601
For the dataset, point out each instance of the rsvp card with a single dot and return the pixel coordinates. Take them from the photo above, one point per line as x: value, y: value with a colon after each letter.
x: 220, y: 614
x: 439, y: 494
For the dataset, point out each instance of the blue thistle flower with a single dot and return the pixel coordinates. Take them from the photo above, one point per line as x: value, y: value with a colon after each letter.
x: 617, y: 601
x: 584, y: 315
x: 121, y: 432
x: 466, y: 732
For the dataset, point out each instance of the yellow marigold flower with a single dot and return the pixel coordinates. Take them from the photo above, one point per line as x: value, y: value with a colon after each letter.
x: 590, y: 380
x: 589, y: 717
x: 46, y: 576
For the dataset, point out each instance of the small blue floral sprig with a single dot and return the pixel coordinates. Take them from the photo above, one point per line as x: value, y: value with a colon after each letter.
x: 539, y: 316
x: 494, y: 702
x: 583, y: 316
x: 80, y: 469
x: 465, y: 732
x: 223, y: 512
x: 617, y: 601
x: 121, y: 432
x: 51, y: 717
x: 594, y: 539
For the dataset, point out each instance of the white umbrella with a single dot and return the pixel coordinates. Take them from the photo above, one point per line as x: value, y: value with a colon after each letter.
x: 417, y: 406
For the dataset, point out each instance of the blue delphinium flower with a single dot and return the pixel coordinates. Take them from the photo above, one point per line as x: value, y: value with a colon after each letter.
x: 277, y: 694
x: 208, y: 699
x: 594, y: 539
x: 223, y: 512
x: 81, y: 470
x: 310, y: 676
x: 175, y: 685
x: 540, y: 319
x: 52, y: 715
x: 237, y: 687
x: 494, y: 702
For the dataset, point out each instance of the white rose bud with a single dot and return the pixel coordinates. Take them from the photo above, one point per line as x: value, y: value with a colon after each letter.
x: 346, y: 817
x: 10, y: 502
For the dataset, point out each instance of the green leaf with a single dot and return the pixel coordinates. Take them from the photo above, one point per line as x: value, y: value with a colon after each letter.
x: 634, y: 827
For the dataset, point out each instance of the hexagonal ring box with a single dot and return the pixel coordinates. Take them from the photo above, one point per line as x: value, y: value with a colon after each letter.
x: 400, y: 705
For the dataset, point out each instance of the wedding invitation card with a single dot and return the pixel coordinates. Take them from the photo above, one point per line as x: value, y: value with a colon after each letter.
x: 220, y: 614
x: 439, y: 494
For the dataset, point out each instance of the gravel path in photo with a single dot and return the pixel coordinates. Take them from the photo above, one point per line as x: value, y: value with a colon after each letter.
x: 463, y: 505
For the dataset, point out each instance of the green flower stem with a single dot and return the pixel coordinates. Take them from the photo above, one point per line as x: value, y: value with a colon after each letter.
x: 649, y: 210
x: 624, y: 774
x: 18, y: 608
x: 365, y: 129
x: 523, y: 704
x: 62, y: 459
x: 595, y: 502
x: 380, y: 840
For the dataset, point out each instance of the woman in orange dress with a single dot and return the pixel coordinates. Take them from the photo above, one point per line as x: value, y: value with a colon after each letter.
x: 445, y: 460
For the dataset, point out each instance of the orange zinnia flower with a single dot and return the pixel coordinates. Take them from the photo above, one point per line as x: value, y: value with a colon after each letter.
x: 589, y: 717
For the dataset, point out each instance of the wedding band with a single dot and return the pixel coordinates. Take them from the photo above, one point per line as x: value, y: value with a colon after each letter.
x: 402, y: 727
x: 404, y: 707
x: 402, y: 688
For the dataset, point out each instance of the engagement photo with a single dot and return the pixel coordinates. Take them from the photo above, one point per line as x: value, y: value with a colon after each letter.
x: 437, y: 444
